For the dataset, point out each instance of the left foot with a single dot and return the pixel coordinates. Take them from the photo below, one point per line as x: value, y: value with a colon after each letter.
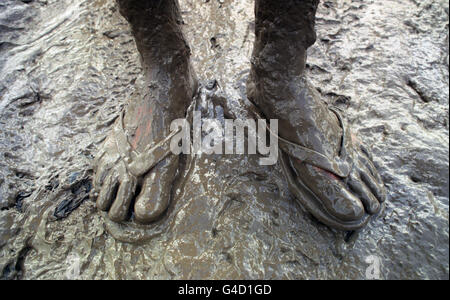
x: 343, y: 200
x: 335, y: 179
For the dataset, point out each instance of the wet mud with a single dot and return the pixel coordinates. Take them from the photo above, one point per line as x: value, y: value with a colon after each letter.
x: 68, y: 69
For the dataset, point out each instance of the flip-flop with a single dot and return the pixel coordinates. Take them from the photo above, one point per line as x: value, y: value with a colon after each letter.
x: 341, y: 166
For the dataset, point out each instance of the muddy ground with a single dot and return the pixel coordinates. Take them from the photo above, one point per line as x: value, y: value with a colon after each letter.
x: 68, y: 68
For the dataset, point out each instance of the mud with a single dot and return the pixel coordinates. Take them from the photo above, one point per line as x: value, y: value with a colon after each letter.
x: 69, y: 67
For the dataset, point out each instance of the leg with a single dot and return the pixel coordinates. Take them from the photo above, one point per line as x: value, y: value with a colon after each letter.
x: 277, y: 85
x: 170, y: 85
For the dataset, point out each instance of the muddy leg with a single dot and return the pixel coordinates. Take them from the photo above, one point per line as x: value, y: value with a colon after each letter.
x: 277, y: 85
x: 170, y: 85
x: 284, y: 32
x: 165, y: 58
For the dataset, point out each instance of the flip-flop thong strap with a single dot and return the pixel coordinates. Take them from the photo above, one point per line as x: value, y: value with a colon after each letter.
x: 137, y: 163
x: 340, y: 166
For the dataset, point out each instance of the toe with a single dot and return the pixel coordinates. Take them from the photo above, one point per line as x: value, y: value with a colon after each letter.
x: 343, y: 204
x: 106, y: 159
x: 121, y: 206
x: 370, y: 168
x: 107, y: 192
x: 100, y: 175
x: 375, y: 186
x: 346, y: 206
x: 366, y: 151
x: 156, y: 189
x: 371, y: 203
x: 332, y: 192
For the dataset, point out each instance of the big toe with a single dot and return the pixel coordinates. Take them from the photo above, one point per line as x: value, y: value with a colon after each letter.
x: 154, y: 198
x: 346, y: 206
x: 332, y: 193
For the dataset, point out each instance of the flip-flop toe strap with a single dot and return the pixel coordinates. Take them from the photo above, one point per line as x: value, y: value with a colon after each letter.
x: 340, y: 166
x: 137, y: 163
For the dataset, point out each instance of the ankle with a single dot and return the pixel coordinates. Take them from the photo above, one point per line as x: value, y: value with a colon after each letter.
x: 156, y: 27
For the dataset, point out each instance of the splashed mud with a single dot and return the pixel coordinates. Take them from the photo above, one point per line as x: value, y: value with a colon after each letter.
x: 69, y: 66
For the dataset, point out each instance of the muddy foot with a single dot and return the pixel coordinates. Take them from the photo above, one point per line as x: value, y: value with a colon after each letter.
x: 134, y: 173
x: 340, y: 189
x: 330, y: 173
x: 134, y: 169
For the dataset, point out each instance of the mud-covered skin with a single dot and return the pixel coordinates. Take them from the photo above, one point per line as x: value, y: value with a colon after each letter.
x: 247, y: 229
x: 170, y: 85
x: 284, y: 32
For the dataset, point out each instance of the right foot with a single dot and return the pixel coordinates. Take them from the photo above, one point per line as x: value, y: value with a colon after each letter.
x: 170, y: 86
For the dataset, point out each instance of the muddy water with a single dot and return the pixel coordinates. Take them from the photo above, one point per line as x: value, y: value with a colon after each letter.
x: 68, y: 68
